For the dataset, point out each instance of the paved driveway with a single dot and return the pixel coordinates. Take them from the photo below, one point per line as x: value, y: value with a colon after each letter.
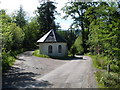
x: 34, y: 72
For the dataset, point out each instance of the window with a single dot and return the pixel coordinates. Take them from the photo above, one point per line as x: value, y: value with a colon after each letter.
x: 59, y: 49
x: 50, y: 49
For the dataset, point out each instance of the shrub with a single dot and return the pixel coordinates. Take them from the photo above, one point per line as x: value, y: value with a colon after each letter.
x: 99, y: 61
x: 106, y: 79
x: 73, y: 50
x: 114, y: 68
x: 7, y: 60
x: 109, y: 80
x: 78, y: 44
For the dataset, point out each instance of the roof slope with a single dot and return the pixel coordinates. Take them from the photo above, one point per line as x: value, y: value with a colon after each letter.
x: 51, y: 36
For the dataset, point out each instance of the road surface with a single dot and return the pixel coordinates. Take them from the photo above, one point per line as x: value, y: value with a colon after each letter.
x: 34, y: 72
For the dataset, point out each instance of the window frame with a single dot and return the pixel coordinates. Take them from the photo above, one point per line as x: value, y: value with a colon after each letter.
x: 50, y: 49
x: 59, y: 48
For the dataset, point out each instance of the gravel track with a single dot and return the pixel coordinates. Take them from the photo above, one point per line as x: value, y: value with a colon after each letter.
x: 35, y: 72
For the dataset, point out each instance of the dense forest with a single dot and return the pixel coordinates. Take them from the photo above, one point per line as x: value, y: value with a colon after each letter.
x: 95, y: 31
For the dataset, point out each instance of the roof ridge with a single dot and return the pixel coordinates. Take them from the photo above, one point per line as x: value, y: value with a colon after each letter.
x: 54, y: 34
x: 44, y: 37
x: 48, y: 34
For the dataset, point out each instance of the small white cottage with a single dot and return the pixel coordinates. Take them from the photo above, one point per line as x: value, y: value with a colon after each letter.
x: 52, y: 44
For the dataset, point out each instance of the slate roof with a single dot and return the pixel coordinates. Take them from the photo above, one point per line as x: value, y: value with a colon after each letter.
x: 51, y: 36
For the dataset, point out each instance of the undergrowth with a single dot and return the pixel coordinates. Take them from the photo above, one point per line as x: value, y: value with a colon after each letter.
x: 8, y: 58
x: 107, y: 79
x: 104, y: 78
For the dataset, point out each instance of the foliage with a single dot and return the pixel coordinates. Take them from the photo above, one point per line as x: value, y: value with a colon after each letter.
x: 18, y: 33
x: 70, y: 36
x: 31, y: 34
x: 104, y: 30
x: 76, y: 10
x: 104, y: 39
x: 7, y: 60
x: 109, y: 80
x: 12, y: 38
x: 98, y: 24
x: 37, y: 53
x: 104, y: 78
x: 12, y: 35
x: 99, y: 61
x: 78, y: 45
x: 46, y: 16
x: 73, y: 50
x: 20, y: 18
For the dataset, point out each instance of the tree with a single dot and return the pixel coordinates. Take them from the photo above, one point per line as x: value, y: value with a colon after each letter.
x: 73, y: 50
x: 46, y: 17
x: 78, y: 44
x: 12, y: 38
x: 12, y: 35
x: 77, y: 12
x: 104, y: 33
x: 70, y: 36
x: 103, y: 28
x: 31, y: 34
x: 20, y: 18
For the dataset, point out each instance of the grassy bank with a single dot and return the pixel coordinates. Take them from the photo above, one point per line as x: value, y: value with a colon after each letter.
x: 107, y: 79
x: 36, y: 53
x: 104, y: 78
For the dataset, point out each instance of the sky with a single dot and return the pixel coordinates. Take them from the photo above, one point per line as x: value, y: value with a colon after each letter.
x: 31, y: 5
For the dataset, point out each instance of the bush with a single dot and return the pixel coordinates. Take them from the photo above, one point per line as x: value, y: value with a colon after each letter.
x: 9, y: 57
x: 7, y: 60
x: 109, y: 80
x: 36, y: 53
x: 78, y: 45
x: 99, y: 61
x: 106, y: 79
x: 114, y: 68
x: 73, y: 50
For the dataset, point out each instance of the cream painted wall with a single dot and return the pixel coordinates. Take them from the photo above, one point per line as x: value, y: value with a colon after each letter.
x: 43, y: 47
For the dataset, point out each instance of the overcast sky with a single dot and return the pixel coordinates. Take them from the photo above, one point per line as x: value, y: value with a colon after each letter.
x: 31, y: 5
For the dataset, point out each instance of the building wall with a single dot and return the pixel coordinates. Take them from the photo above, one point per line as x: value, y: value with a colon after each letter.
x: 43, y: 47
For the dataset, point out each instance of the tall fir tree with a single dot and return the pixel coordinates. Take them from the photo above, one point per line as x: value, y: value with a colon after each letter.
x: 46, y: 16
x: 20, y: 18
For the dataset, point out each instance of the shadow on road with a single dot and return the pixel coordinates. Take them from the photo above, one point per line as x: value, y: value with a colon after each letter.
x: 70, y: 58
x: 78, y: 58
x: 16, y: 79
x: 28, y: 53
x: 21, y: 59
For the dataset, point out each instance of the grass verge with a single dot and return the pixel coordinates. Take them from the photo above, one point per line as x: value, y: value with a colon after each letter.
x: 107, y: 79
x: 36, y: 53
x: 104, y: 78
